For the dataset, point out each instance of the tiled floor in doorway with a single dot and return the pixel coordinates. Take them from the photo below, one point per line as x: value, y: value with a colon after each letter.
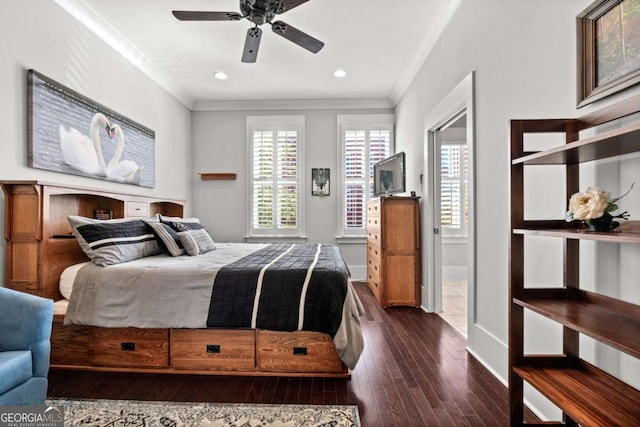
x: 454, y: 305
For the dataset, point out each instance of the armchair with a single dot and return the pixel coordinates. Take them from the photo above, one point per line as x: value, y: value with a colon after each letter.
x: 25, y: 346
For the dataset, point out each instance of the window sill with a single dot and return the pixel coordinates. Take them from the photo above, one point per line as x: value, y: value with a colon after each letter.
x: 273, y: 239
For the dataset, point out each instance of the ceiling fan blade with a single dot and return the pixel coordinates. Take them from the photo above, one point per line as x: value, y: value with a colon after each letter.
x: 289, y: 4
x: 298, y: 37
x: 187, y: 15
x: 251, y: 45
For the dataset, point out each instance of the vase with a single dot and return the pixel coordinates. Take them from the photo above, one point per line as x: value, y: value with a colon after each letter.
x: 604, y: 223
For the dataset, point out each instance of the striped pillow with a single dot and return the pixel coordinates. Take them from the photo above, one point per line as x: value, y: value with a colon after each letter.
x: 196, y: 242
x: 114, y: 241
x: 181, y: 224
x: 168, y: 238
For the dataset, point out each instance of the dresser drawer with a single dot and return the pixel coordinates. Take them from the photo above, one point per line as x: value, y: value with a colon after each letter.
x: 300, y: 351
x: 373, y: 221
x: 135, y: 209
x: 373, y: 250
x: 213, y: 349
x: 373, y: 266
x: 129, y: 347
x: 373, y: 282
x: 374, y: 236
x: 373, y: 207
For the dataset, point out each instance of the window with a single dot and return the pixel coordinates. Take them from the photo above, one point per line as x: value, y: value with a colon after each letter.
x: 276, y: 153
x: 454, y: 189
x: 364, y: 141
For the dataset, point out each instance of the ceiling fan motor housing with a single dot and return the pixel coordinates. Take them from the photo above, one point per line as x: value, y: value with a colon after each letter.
x: 259, y: 11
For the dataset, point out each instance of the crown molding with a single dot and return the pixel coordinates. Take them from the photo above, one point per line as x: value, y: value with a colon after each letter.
x: 293, y: 104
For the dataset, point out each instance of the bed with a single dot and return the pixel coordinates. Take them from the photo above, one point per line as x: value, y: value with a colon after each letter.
x: 160, y: 294
x: 244, y: 287
x: 97, y: 326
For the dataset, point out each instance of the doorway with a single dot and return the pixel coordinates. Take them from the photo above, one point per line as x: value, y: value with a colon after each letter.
x: 449, y: 214
x: 451, y: 190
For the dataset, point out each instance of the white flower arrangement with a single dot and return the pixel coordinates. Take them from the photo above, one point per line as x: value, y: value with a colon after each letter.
x: 594, y: 207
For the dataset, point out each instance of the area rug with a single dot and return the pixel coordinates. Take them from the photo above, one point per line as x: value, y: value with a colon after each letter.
x: 113, y: 413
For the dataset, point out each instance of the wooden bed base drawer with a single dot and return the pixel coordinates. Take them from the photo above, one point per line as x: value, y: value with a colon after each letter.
x: 213, y: 349
x: 69, y: 344
x: 129, y: 347
x: 300, y: 351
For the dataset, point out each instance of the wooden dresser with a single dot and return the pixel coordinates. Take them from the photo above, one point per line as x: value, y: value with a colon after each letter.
x: 393, y: 250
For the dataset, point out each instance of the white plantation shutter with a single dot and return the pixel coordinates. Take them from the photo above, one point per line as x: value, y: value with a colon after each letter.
x: 362, y: 145
x: 453, y: 189
x: 275, y: 163
x: 287, y: 194
x: 355, y: 178
x: 263, y: 167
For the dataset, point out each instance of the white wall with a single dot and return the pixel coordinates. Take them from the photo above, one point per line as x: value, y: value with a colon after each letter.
x: 524, y: 56
x: 38, y: 34
x: 219, y: 145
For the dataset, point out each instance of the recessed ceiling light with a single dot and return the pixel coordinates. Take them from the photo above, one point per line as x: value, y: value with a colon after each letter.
x: 340, y: 73
x: 220, y: 75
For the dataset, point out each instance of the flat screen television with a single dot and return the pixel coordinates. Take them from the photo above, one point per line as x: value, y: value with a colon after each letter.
x: 389, y: 176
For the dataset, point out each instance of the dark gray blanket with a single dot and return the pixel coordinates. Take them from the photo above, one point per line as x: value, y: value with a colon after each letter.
x: 282, y: 287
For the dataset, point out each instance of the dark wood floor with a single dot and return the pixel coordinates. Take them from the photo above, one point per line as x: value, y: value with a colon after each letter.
x: 414, y: 372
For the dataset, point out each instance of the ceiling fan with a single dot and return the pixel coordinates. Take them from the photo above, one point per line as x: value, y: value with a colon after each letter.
x: 258, y: 12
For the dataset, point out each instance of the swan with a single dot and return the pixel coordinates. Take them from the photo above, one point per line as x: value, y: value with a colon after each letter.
x: 126, y: 170
x: 84, y: 153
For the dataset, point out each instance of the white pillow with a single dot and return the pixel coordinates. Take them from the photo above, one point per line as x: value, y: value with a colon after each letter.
x: 67, y: 278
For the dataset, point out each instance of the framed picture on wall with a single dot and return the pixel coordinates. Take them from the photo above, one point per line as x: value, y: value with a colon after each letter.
x: 320, y: 183
x: 608, y: 49
x: 72, y: 134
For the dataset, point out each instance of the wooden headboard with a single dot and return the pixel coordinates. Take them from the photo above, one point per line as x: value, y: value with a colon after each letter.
x: 40, y: 243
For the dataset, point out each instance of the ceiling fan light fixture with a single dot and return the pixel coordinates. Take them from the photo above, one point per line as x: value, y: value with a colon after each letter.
x: 340, y: 73
x: 220, y: 75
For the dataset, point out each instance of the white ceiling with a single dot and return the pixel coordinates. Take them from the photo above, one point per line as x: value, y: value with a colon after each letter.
x: 379, y: 43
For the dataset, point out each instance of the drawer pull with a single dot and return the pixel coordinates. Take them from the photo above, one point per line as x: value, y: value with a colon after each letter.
x: 300, y: 351
x: 128, y: 346
x: 213, y: 348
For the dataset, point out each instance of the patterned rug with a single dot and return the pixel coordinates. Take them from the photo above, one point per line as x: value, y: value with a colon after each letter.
x: 113, y: 413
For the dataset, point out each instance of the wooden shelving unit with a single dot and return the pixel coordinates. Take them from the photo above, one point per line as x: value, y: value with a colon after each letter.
x: 586, y: 395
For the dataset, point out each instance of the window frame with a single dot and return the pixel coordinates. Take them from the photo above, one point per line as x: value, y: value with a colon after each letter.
x: 277, y: 124
x: 367, y: 122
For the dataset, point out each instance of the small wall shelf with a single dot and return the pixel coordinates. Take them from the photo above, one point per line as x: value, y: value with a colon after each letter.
x: 218, y: 176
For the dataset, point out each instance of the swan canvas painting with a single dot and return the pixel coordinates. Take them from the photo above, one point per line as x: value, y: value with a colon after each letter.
x: 69, y: 133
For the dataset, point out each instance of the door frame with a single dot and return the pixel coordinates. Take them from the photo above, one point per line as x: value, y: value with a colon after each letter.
x: 460, y: 100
